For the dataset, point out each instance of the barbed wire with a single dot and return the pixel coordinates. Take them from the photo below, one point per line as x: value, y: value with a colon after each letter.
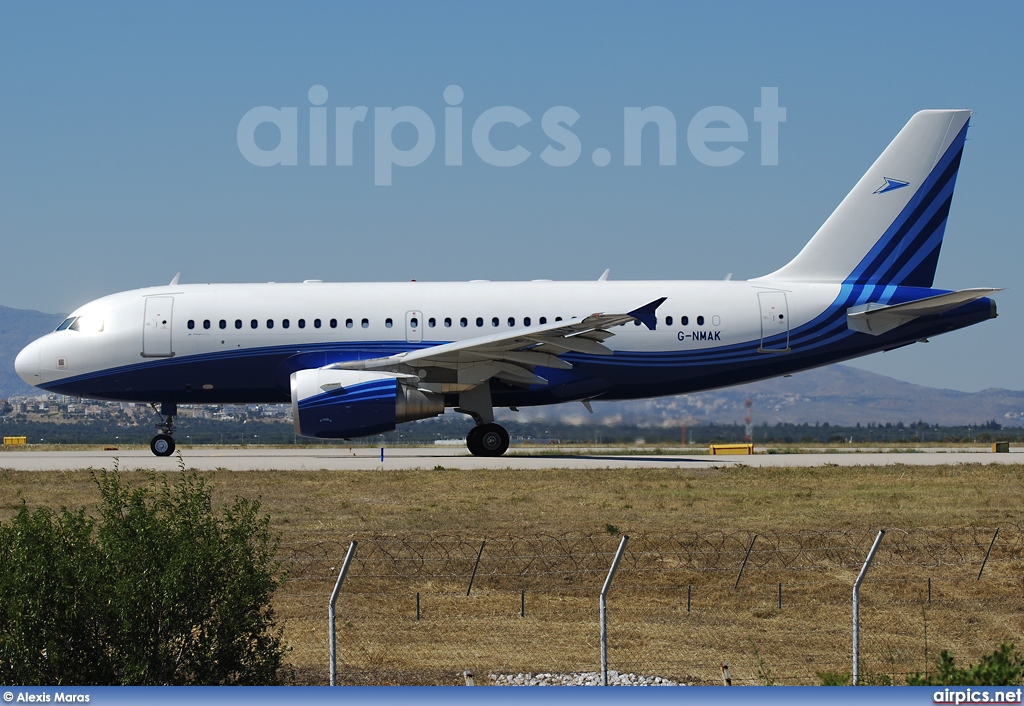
x: 678, y: 606
x: 586, y: 557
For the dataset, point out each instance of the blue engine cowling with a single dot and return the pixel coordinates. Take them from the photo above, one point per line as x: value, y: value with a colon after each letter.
x: 342, y: 404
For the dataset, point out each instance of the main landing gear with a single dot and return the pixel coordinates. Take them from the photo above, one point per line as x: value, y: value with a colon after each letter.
x: 163, y: 443
x: 487, y: 440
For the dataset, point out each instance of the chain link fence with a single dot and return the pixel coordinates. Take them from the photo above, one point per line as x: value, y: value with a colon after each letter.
x: 421, y: 609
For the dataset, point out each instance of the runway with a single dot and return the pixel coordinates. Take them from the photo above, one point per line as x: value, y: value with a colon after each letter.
x: 208, y: 458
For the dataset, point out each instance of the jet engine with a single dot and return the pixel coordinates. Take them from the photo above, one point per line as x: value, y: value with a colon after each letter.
x: 342, y: 404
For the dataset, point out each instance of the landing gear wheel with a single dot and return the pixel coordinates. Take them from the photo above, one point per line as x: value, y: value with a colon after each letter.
x: 473, y: 442
x: 162, y: 445
x: 487, y: 440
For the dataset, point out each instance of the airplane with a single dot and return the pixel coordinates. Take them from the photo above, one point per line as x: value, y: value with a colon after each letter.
x: 356, y: 359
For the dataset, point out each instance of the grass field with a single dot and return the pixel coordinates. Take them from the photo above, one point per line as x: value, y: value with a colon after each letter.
x: 551, y: 534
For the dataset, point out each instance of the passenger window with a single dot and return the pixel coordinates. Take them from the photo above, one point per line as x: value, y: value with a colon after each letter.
x: 223, y: 323
x: 206, y: 324
x: 431, y: 322
x: 348, y: 323
x: 543, y: 320
x: 254, y: 323
x: 302, y: 323
x: 285, y: 323
x: 636, y: 322
x: 334, y: 323
x: 365, y: 323
x: 558, y: 318
x: 238, y: 323
x: 495, y: 321
x: 316, y: 323
x: 414, y: 322
x: 191, y: 324
x: 447, y: 322
x: 684, y: 320
x: 479, y: 321
x: 700, y: 320
x: 463, y: 322
x: 388, y: 323
x: 270, y: 323
x: 668, y: 320
x: 511, y: 322
x: 526, y: 321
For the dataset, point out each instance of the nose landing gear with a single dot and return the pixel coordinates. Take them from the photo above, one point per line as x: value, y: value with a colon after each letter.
x: 163, y: 443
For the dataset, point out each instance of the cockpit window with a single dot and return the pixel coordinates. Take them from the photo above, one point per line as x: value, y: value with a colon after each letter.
x: 87, y: 324
x: 66, y: 322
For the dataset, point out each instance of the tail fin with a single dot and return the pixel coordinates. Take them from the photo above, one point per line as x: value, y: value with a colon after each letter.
x: 889, y: 228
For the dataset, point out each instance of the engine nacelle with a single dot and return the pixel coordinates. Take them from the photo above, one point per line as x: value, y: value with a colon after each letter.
x: 341, y: 404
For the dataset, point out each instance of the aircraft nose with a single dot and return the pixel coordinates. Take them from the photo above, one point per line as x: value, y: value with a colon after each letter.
x: 27, y: 364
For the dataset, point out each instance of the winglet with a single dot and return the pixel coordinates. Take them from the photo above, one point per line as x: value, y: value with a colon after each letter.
x: 646, y: 313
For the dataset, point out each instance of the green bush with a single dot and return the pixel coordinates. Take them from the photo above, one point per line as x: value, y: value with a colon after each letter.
x: 1003, y: 667
x: 159, y: 590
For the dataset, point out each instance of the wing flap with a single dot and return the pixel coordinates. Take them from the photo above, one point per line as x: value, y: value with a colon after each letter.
x: 512, y: 356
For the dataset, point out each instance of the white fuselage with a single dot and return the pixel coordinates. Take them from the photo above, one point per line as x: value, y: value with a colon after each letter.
x: 370, y: 319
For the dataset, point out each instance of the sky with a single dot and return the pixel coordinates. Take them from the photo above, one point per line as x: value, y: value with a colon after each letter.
x: 226, y: 141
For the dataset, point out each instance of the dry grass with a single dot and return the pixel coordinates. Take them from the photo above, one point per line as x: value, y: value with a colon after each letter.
x: 309, y: 504
x: 380, y: 639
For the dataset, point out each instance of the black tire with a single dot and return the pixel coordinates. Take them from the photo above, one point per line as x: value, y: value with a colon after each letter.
x: 491, y: 440
x: 473, y: 442
x: 162, y: 445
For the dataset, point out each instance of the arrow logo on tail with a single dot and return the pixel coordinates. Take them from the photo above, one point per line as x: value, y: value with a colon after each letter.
x: 890, y: 185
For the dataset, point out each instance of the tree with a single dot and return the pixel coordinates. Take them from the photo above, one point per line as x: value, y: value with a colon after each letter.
x: 1001, y: 668
x: 160, y: 590
x: 50, y: 608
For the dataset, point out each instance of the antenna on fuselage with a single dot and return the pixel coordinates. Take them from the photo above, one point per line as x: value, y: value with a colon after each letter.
x: 174, y: 281
x: 604, y: 275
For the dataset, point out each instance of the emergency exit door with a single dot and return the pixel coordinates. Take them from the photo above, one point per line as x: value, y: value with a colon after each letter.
x: 156, y: 331
x: 774, y: 322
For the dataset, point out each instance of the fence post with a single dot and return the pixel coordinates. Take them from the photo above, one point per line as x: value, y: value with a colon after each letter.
x: 744, y: 564
x: 330, y: 611
x: 476, y: 565
x: 856, y: 605
x: 990, y: 545
x: 604, y: 609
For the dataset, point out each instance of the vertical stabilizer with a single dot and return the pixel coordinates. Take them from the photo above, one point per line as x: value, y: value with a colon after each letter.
x: 889, y: 228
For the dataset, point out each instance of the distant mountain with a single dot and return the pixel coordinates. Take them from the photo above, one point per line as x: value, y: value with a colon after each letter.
x: 18, y: 328
x: 837, y: 394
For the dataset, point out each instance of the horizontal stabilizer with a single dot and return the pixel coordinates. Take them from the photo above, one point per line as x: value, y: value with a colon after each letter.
x: 876, y: 319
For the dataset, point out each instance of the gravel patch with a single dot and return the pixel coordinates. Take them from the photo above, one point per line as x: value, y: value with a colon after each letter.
x: 579, y: 679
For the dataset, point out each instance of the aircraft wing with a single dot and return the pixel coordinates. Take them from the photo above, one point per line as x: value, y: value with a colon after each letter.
x: 510, y: 356
x: 876, y: 319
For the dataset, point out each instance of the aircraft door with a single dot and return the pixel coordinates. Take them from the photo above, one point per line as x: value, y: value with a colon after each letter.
x: 414, y: 326
x: 156, y: 332
x: 774, y: 322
